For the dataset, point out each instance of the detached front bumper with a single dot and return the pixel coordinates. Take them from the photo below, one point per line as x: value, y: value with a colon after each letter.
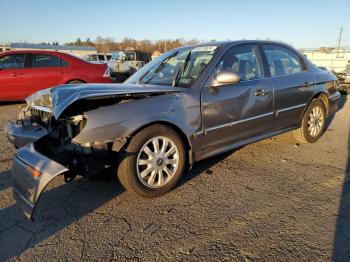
x: 21, y: 135
x: 31, y: 172
x: 333, y: 102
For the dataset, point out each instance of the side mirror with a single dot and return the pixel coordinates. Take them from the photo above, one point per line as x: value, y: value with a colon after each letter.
x: 226, y: 77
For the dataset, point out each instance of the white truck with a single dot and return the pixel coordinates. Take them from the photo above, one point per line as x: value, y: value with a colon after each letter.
x: 100, y: 58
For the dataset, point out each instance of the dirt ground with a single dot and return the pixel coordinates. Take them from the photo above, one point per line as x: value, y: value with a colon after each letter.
x: 273, y: 200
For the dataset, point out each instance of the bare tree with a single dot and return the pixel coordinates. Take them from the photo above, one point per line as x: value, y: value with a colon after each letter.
x: 108, y: 44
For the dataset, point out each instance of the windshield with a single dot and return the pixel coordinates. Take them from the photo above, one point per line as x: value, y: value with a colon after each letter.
x: 179, y: 68
x: 115, y: 56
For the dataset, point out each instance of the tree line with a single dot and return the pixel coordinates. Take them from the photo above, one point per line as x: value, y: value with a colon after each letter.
x: 107, y: 45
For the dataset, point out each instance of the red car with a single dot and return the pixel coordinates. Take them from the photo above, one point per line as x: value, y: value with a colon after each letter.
x: 25, y: 72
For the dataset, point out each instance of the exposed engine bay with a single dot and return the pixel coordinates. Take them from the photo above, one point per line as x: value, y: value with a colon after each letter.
x: 57, y: 143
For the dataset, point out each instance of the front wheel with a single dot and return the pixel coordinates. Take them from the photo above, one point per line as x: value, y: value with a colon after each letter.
x: 153, y: 162
x: 313, y: 123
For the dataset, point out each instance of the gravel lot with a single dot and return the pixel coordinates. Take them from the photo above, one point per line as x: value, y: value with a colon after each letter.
x: 272, y: 200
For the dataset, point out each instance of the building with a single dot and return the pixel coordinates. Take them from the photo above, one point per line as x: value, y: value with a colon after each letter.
x: 80, y: 51
x: 329, y: 58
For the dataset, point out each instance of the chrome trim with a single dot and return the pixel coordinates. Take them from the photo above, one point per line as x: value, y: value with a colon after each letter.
x: 42, y: 108
x: 290, y: 108
x: 234, y: 123
x: 334, y: 96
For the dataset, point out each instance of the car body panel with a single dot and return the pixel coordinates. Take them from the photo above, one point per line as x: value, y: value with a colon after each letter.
x: 13, y: 84
x: 31, y: 172
x: 34, y: 76
x: 21, y: 135
x: 61, y: 97
x: 116, y: 121
x: 292, y: 94
x: 233, y: 112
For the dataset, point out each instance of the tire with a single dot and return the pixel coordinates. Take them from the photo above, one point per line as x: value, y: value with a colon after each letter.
x: 306, y: 134
x: 74, y: 82
x: 138, y: 171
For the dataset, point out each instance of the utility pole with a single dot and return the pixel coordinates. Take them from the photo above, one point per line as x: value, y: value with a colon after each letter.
x: 339, y: 39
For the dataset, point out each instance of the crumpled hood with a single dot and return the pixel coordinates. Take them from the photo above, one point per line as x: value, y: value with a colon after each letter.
x: 60, y: 97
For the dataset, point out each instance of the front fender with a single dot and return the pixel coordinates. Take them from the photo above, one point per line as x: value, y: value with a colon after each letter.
x: 123, y: 119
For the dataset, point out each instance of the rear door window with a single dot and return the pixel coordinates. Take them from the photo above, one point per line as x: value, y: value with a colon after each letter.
x: 282, y: 61
x: 45, y: 60
x: 101, y: 58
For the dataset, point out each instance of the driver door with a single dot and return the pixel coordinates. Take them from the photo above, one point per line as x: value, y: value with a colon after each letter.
x: 232, y: 113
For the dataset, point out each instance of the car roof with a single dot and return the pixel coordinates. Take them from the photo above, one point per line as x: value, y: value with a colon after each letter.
x: 231, y: 42
x: 71, y: 58
x: 37, y: 52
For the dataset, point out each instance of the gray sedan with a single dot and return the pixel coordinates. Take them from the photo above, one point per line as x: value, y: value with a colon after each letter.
x: 189, y: 104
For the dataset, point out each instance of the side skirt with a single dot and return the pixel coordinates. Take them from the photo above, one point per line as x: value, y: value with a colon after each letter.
x: 203, y: 155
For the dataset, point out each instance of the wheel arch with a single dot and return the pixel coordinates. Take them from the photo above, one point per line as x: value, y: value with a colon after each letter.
x: 324, y: 98
x: 321, y: 96
x: 75, y: 79
x: 178, y: 130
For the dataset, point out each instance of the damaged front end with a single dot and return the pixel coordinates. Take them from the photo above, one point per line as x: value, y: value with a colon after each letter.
x: 50, y: 153
x: 73, y: 131
x: 46, y: 150
x: 33, y: 123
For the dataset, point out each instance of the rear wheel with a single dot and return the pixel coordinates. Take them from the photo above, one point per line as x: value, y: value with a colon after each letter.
x: 153, y: 162
x: 312, y: 124
x: 75, y: 82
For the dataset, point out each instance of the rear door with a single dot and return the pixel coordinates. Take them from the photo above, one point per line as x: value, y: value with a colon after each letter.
x: 292, y: 82
x: 235, y: 112
x: 44, y: 70
x: 12, y: 73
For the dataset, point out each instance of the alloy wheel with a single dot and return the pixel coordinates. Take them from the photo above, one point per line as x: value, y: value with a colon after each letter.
x: 315, y: 121
x: 157, y: 162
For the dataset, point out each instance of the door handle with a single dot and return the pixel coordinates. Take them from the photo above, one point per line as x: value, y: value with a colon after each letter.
x: 260, y: 92
x: 14, y: 74
x: 308, y: 84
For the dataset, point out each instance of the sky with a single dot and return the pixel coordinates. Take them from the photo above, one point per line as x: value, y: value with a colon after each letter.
x: 302, y: 23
